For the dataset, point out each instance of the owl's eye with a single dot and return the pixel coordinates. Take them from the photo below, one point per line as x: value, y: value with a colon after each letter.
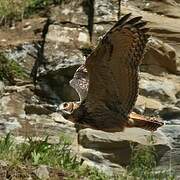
x: 65, y: 105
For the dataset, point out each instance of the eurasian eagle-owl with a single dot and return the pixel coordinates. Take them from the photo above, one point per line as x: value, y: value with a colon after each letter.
x: 107, y: 83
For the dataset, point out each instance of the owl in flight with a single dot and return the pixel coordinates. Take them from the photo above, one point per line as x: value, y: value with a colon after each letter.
x: 107, y: 83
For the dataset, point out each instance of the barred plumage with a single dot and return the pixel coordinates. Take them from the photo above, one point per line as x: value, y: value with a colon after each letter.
x: 108, y: 81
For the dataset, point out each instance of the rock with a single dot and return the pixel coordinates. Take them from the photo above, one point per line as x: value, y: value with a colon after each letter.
x: 159, y: 57
x: 162, y: 27
x: 178, y: 95
x: 170, y: 113
x: 24, y: 54
x: 24, y: 90
x: 3, y: 163
x: 175, y: 121
x: 110, y: 149
x: 72, y: 11
x: 55, y: 88
x: 59, y: 119
x: 63, y: 44
x: 46, y: 90
x: 78, y: 12
x: 171, y: 158
x: 43, y: 125
x: 104, y: 166
x: 168, y: 8
x: 147, y: 106
x: 39, y: 109
x: 178, y: 104
x: 12, y: 101
x: 68, y: 35
x: 63, y: 54
x: 8, y: 124
x: 1, y: 87
x: 106, y: 11
x: 13, y: 105
x: 160, y: 88
x: 42, y: 172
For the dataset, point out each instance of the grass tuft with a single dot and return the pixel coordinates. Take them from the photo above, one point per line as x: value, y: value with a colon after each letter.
x: 15, y: 10
x: 59, y: 156
x: 143, y: 163
x: 10, y: 69
x: 12, y: 10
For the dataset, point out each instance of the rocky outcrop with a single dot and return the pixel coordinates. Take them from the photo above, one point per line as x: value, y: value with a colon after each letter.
x: 169, y: 8
x: 159, y: 87
x: 160, y: 57
x: 51, y: 50
x: 163, y: 27
x: 113, y: 150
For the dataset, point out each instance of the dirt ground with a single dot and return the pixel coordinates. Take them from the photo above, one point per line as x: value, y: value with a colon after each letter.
x: 29, y: 30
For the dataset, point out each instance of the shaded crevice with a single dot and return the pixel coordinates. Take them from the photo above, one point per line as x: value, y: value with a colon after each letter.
x: 119, y: 9
x: 39, y: 46
x: 88, y: 6
x: 83, y: 25
x: 69, y: 23
x: 105, y: 22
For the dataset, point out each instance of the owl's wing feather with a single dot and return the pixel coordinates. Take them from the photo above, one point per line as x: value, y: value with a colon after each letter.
x: 80, y: 82
x: 113, y: 70
x: 145, y: 122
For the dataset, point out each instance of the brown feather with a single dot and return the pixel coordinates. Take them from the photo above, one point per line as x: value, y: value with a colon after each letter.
x: 148, y: 123
x: 113, y: 79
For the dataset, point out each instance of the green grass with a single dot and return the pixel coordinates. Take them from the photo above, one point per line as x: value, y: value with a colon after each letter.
x: 10, y: 69
x: 143, y: 162
x: 14, y: 10
x: 36, y: 152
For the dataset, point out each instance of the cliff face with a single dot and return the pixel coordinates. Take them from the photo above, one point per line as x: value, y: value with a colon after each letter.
x: 51, y: 49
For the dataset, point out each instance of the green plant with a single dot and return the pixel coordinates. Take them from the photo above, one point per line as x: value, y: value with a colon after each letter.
x: 12, y: 10
x: 35, y: 152
x: 143, y: 163
x: 55, y: 155
x: 10, y: 69
x: 36, y: 5
x: 95, y: 174
x: 89, y: 173
x: 6, y: 144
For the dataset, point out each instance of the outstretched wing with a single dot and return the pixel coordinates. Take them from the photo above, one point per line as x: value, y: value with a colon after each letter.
x: 80, y: 82
x: 113, y: 68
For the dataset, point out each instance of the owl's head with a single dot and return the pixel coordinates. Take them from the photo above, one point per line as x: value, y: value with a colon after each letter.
x: 67, y: 108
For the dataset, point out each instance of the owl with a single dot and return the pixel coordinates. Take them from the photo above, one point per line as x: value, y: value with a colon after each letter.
x: 107, y: 84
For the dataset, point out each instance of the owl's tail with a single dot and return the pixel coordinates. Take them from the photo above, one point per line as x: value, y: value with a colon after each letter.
x: 144, y: 122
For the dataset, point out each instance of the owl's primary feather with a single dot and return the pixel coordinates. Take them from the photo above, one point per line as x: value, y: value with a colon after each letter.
x: 108, y: 82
